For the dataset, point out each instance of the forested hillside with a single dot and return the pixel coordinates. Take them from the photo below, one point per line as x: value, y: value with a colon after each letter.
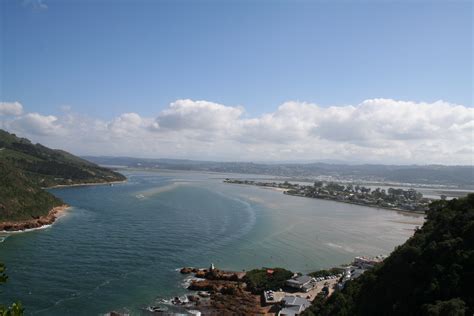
x: 431, y: 274
x: 26, y: 168
x: 21, y: 198
x: 48, y: 167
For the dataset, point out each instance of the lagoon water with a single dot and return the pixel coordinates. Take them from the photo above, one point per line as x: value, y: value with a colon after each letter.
x: 119, y: 246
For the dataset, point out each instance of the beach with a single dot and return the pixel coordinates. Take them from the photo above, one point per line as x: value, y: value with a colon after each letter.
x: 83, y: 184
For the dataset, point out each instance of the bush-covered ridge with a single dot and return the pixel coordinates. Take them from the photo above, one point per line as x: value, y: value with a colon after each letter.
x: 25, y: 168
x: 21, y: 198
x: 431, y: 274
x: 48, y: 167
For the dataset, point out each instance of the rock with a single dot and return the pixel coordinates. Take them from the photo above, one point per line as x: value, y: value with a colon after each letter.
x: 193, y: 298
x: 186, y: 270
x: 202, y: 286
x: 230, y: 290
x: 201, y: 274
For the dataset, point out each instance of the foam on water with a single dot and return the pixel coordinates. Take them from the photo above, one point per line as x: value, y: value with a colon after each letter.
x: 26, y: 230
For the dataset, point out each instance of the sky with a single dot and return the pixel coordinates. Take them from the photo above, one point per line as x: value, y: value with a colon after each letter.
x: 356, y: 81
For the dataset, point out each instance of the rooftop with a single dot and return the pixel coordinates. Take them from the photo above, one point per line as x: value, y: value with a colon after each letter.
x: 296, y: 301
x: 290, y: 311
x: 301, y: 280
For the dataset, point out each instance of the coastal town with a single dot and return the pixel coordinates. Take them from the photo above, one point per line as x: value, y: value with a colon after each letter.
x: 265, y: 291
x: 392, y: 198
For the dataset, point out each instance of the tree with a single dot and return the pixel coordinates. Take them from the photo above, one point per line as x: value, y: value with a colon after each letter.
x: 431, y: 274
x: 15, y: 309
x: 453, y: 307
x: 318, y: 184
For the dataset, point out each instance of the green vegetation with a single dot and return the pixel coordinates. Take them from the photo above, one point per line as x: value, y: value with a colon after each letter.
x: 431, y: 274
x: 396, y: 199
x: 21, y: 198
x: 259, y: 280
x: 26, y: 168
x: 324, y: 273
x: 15, y: 309
x: 48, y: 167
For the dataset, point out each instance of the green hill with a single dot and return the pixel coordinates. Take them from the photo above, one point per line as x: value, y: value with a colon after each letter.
x: 26, y: 168
x: 21, y: 198
x: 431, y: 274
x: 48, y: 167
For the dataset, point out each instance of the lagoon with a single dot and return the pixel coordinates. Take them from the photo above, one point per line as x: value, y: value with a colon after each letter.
x: 119, y: 246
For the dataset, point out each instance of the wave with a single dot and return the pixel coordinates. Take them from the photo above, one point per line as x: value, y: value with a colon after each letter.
x: 59, y: 214
x: 342, y: 247
x: 188, y: 280
x: 25, y: 230
x: 160, y: 189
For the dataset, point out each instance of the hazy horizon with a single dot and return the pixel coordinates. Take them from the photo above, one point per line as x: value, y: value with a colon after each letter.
x: 272, y: 162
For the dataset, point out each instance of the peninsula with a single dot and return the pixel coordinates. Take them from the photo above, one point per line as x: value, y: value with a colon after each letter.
x: 26, y: 169
x: 393, y: 198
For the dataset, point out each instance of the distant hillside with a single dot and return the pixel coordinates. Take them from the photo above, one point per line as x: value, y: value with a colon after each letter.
x: 431, y: 274
x: 48, y: 167
x: 26, y: 168
x: 429, y: 174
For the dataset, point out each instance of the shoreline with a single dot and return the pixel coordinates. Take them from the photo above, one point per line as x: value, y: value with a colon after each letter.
x: 403, y: 212
x: 35, y: 223
x: 49, y: 219
x: 285, y: 192
x: 58, y: 186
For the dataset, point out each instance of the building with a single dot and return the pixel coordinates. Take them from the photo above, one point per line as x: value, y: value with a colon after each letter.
x: 302, y: 282
x: 293, y: 305
x: 353, y: 272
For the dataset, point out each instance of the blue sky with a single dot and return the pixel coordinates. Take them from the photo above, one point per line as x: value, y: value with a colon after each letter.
x: 356, y: 81
x: 104, y: 58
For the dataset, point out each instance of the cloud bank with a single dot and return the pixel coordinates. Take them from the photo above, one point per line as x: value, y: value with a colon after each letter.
x: 373, y: 131
x: 10, y: 108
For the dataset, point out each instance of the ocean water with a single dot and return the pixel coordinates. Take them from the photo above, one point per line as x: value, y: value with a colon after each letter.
x: 118, y: 247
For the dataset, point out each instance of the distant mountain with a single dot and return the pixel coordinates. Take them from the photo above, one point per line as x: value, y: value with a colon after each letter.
x: 431, y: 274
x: 26, y: 168
x: 415, y: 174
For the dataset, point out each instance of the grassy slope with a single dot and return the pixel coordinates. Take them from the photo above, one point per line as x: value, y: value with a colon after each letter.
x: 26, y: 167
x: 431, y: 274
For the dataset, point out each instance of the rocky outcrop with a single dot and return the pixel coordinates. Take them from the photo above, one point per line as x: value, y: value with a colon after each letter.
x: 225, y: 293
x: 204, y: 285
x: 201, y: 274
x: 186, y: 270
x: 224, y: 275
x: 194, y: 298
x: 34, y: 222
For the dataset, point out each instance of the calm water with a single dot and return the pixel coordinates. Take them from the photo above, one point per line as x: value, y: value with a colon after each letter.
x: 119, y: 247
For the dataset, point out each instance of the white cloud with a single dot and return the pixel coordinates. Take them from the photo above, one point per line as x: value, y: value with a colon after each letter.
x: 374, y: 131
x: 34, y: 123
x: 11, y: 108
x: 198, y: 115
